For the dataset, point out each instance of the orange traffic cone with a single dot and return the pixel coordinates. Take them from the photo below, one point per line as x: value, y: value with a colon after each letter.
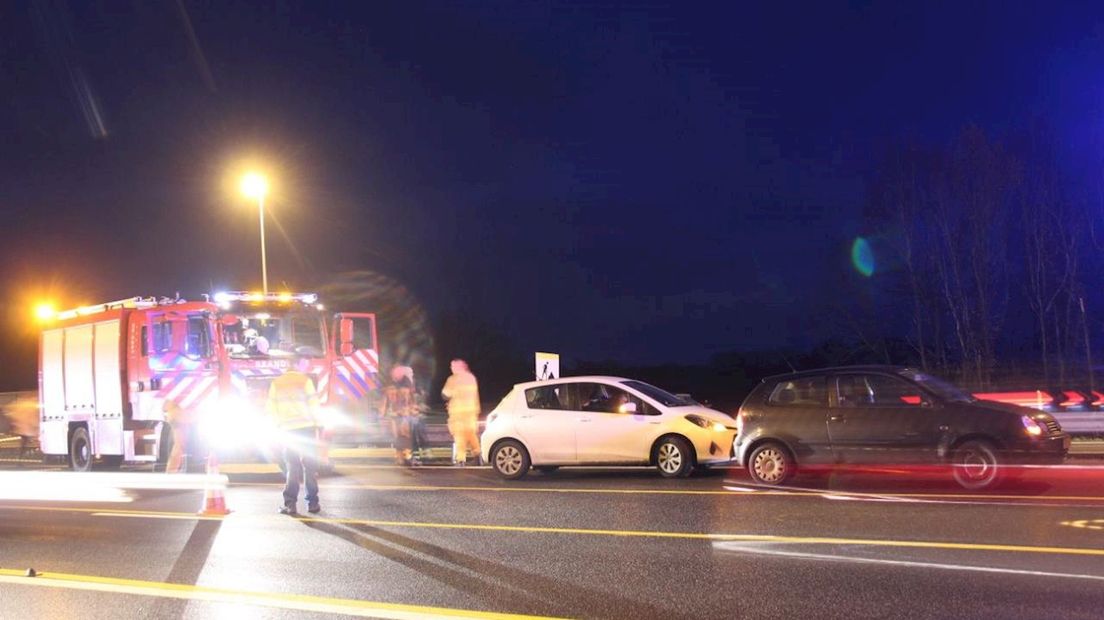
x: 214, y: 504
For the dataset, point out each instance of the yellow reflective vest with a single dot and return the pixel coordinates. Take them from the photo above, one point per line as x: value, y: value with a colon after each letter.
x: 292, y: 401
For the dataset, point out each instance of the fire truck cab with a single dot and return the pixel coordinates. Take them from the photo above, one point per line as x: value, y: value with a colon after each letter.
x: 263, y: 333
x: 109, y: 373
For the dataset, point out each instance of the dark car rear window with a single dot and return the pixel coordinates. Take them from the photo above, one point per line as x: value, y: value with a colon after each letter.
x: 802, y: 392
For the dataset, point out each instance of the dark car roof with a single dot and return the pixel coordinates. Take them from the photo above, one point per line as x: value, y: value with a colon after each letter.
x: 883, y: 368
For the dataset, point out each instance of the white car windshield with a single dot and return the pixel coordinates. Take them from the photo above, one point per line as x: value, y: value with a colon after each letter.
x: 664, y: 397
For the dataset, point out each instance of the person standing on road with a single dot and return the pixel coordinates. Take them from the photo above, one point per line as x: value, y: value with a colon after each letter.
x: 293, y: 405
x: 462, y: 393
x: 398, y: 407
x: 180, y: 430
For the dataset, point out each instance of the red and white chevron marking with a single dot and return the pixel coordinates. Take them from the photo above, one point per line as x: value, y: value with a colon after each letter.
x: 189, y: 391
x: 363, y: 362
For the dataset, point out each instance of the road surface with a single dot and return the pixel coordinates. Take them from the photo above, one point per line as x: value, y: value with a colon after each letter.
x: 586, y: 543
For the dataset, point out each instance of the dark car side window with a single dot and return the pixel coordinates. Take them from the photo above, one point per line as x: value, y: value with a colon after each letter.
x: 877, y: 391
x: 602, y: 398
x: 803, y: 392
x: 547, y: 397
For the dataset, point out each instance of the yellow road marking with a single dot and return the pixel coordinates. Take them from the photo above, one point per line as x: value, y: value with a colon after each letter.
x: 771, y: 538
x: 297, y: 602
x: 600, y: 491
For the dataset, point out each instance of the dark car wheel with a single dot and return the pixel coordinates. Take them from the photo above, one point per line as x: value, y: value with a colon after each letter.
x: 771, y: 463
x: 976, y: 465
x: 510, y: 459
x: 674, y: 457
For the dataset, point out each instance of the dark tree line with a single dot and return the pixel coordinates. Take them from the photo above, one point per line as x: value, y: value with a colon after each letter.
x: 990, y: 239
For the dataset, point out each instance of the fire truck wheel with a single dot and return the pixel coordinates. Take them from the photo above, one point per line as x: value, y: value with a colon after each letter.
x: 80, y: 450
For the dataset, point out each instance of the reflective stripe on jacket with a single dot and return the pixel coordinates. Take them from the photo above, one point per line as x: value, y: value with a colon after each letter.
x: 292, y: 401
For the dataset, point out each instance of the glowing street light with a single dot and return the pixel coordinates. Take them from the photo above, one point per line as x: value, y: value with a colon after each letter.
x: 254, y: 185
x: 45, y: 312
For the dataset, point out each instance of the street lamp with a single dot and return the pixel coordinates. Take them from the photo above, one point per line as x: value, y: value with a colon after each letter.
x: 254, y: 185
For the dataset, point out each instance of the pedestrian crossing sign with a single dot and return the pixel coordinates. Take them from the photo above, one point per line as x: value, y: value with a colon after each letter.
x: 548, y: 366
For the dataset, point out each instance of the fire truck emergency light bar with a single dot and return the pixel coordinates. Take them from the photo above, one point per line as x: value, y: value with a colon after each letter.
x: 132, y: 302
x: 227, y: 297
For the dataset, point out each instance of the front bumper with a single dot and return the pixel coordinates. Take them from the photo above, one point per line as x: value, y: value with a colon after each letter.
x: 1042, y: 451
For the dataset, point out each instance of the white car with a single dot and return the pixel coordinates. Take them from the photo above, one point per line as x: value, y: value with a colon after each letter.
x: 603, y: 421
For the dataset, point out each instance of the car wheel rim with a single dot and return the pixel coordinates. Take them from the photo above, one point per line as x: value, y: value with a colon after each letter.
x: 669, y: 458
x: 770, y: 465
x: 976, y: 465
x: 508, y: 460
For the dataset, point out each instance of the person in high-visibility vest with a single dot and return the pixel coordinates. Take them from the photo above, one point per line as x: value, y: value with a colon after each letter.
x: 462, y: 393
x: 293, y: 405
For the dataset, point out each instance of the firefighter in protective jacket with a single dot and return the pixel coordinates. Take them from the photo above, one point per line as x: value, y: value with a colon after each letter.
x: 462, y: 392
x: 293, y: 405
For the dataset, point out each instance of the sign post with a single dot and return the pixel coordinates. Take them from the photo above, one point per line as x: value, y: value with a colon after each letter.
x: 548, y: 366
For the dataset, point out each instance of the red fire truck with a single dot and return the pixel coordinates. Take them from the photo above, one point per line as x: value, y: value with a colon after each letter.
x: 106, y: 373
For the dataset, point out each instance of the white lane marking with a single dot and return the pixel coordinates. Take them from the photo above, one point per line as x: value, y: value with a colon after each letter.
x: 739, y: 547
x: 1037, y: 501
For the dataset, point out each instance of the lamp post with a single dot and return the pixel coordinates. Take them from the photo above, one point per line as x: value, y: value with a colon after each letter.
x: 254, y: 185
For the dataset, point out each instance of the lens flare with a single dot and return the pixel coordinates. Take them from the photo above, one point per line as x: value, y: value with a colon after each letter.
x: 862, y: 257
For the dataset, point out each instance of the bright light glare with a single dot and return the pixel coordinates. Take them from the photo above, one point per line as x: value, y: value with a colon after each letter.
x: 254, y: 185
x: 718, y: 427
x: 1031, y: 426
x: 45, y: 311
x: 95, y: 487
x: 334, y: 418
x: 234, y: 422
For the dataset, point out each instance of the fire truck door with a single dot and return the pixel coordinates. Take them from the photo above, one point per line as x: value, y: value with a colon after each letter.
x: 143, y: 397
x: 356, y: 366
x: 183, y: 361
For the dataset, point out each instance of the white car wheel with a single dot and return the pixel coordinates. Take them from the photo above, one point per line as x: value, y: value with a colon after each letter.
x: 673, y: 458
x: 510, y: 459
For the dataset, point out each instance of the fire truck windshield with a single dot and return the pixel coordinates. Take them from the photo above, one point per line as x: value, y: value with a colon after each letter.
x: 274, y: 333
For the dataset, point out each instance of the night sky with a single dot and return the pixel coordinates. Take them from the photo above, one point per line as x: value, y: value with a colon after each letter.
x: 611, y: 181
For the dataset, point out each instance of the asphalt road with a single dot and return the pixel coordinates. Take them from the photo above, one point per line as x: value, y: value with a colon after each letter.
x: 613, y: 543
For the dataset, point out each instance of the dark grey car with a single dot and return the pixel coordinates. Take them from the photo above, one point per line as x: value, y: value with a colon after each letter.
x: 889, y: 416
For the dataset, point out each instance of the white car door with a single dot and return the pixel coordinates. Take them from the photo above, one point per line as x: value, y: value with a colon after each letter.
x: 614, y: 426
x: 547, y: 426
